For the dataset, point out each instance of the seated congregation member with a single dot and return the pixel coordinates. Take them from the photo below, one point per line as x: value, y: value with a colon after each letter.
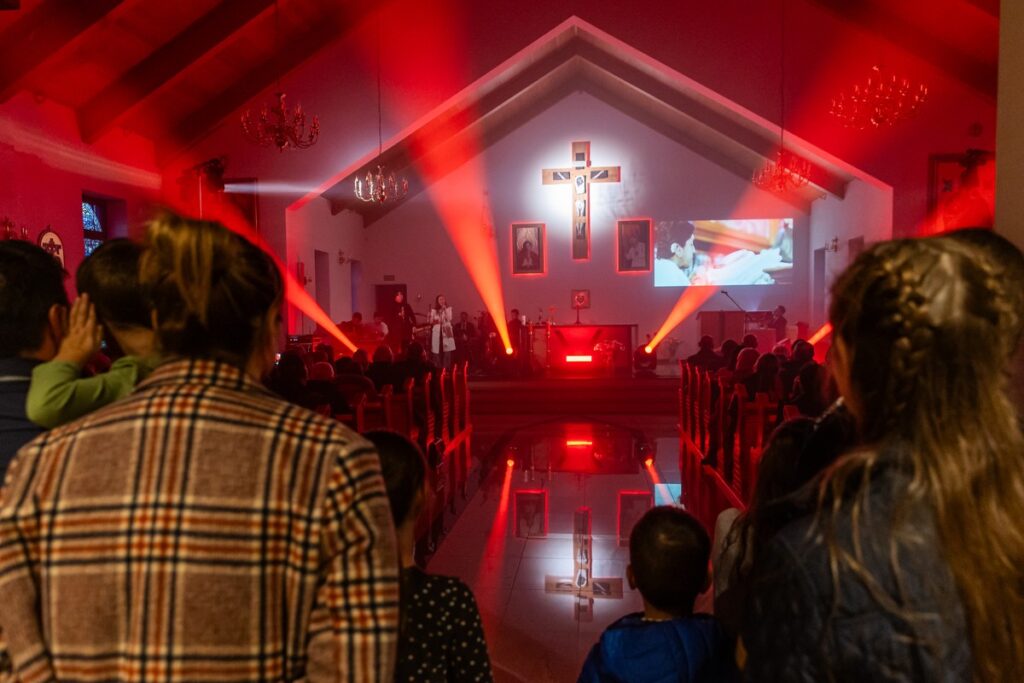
x: 361, y: 359
x: 668, y: 564
x: 288, y: 379
x: 811, y: 389
x: 108, y: 282
x: 199, y: 452
x: 803, y: 354
x: 441, y: 637
x: 416, y: 364
x: 765, y: 379
x: 382, y: 370
x: 33, y: 321
x: 738, y: 533
x: 706, y: 359
x: 324, y: 395
x: 909, y: 565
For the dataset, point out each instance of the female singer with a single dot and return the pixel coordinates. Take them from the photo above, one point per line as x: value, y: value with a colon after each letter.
x: 442, y: 332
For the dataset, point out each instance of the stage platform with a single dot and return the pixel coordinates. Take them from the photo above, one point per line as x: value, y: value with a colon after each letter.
x: 576, y: 396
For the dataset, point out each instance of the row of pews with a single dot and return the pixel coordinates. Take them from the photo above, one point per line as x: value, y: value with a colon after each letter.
x: 434, y: 412
x: 722, y: 433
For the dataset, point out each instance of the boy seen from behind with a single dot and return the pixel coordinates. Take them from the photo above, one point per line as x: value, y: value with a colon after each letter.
x: 668, y: 554
x: 111, y: 299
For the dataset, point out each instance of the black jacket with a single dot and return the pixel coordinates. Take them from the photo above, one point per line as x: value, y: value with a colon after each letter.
x: 15, y: 428
x: 797, y: 630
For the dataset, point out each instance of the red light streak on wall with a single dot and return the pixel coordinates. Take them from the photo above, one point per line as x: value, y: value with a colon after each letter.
x: 216, y: 209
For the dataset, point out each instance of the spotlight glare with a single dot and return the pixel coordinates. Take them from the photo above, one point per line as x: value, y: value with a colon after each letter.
x: 648, y: 350
x: 509, y: 351
x: 648, y: 462
x: 510, y: 462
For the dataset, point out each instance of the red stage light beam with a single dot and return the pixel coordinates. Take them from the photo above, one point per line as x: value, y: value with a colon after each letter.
x: 689, y: 301
x: 217, y: 209
x: 823, y: 332
x: 495, y: 544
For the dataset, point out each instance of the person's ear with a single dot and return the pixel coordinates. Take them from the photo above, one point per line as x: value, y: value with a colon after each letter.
x: 57, y: 320
x: 630, y: 577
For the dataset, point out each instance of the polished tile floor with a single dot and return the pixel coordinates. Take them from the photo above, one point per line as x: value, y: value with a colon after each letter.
x: 542, y: 542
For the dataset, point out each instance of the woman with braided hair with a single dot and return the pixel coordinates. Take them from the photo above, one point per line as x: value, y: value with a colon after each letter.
x: 909, y: 566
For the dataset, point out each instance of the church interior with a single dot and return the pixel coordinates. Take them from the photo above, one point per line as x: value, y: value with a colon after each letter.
x: 560, y: 205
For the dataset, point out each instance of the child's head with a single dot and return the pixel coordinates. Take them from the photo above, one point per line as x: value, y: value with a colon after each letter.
x: 110, y: 276
x: 668, y: 559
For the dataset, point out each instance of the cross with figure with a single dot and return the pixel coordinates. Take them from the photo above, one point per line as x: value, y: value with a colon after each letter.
x: 580, y: 176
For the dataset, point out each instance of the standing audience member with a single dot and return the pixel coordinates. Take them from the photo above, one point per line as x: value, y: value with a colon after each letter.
x: 130, y: 581
x: 668, y: 564
x: 910, y: 565
x: 33, y: 321
x: 108, y: 281
x: 441, y: 637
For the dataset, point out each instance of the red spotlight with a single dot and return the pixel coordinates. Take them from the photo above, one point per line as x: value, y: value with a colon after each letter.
x: 825, y: 331
x: 648, y: 462
x: 510, y: 462
x: 648, y: 350
x: 509, y: 351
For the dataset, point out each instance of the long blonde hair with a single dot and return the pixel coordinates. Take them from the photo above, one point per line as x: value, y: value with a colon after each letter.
x: 211, y: 289
x: 929, y: 326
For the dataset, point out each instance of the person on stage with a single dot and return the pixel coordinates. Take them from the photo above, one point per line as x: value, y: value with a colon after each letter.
x: 442, y: 332
x: 465, y: 336
x: 778, y: 323
x: 400, y: 327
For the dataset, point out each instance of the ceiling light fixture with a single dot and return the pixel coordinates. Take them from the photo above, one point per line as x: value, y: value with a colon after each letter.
x: 276, y: 125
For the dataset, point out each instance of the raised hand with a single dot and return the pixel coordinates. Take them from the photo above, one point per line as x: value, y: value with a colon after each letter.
x: 84, y: 336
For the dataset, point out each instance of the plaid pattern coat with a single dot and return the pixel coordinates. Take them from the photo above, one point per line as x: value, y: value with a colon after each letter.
x: 199, y: 530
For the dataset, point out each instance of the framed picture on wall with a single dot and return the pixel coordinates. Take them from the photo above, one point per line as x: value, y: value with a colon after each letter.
x: 528, y: 249
x: 633, y: 245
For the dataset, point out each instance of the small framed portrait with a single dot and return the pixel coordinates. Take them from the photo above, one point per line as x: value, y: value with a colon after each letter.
x: 528, y: 249
x: 633, y: 245
x: 531, y: 514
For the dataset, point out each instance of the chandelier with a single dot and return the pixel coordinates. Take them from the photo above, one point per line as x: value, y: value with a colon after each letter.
x: 883, y: 100
x: 276, y: 125
x: 787, y: 172
x: 380, y: 186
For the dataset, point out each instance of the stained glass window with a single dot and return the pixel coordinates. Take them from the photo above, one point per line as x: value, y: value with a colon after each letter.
x: 93, y: 223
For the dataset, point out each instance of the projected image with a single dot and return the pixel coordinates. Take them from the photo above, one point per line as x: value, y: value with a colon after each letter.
x: 723, y: 252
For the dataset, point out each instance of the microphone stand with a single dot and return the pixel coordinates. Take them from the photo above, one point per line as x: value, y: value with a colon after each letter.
x: 736, y: 303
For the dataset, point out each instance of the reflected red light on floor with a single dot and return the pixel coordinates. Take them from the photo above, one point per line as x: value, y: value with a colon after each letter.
x: 495, y: 545
x: 579, y: 359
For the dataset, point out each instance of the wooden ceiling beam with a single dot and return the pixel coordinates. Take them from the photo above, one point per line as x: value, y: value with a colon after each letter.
x: 875, y: 17
x: 299, y: 48
x: 39, y: 35
x: 104, y: 109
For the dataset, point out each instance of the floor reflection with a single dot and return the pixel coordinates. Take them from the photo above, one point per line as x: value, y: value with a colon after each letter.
x: 543, y: 542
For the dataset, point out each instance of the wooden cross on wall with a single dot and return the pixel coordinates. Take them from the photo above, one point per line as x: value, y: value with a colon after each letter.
x: 580, y: 176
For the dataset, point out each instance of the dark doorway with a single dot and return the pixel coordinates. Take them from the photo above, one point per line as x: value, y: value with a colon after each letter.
x: 820, y: 288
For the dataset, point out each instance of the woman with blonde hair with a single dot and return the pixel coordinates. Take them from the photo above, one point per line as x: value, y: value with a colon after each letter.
x: 910, y: 563
x: 201, y: 528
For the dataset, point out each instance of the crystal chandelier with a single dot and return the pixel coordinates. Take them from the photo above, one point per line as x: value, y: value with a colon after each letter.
x: 276, y: 125
x: 883, y: 100
x: 380, y: 186
x: 788, y: 171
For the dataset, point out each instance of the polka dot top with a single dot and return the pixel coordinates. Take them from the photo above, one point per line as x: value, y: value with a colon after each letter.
x: 442, y: 637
